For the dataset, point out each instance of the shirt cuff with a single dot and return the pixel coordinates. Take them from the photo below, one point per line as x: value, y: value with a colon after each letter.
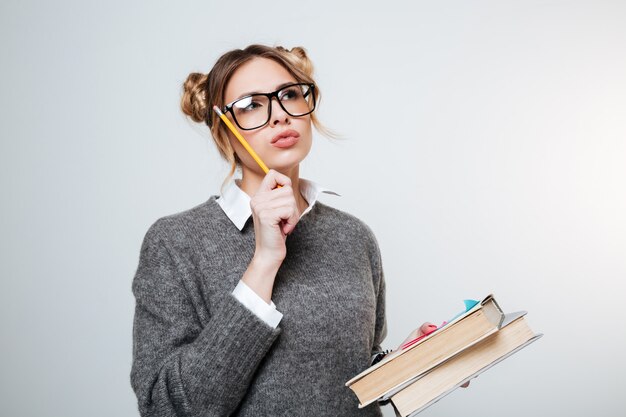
x: 251, y: 300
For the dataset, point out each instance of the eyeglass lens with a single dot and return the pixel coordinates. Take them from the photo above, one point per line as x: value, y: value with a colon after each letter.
x: 254, y: 111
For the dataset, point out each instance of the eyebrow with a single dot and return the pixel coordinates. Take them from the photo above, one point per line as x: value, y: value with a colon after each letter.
x: 278, y: 87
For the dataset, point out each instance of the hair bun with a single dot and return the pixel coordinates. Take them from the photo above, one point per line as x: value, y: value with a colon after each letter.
x: 193, y: 102
x: 298, y: 56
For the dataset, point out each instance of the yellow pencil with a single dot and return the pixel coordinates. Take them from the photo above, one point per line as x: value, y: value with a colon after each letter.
x: 241, y: 139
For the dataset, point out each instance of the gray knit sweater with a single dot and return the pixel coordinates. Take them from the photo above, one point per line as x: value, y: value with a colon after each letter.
x: 197, y: 351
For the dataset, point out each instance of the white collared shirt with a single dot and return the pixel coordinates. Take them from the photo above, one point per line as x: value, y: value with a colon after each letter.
x: 236, y: 204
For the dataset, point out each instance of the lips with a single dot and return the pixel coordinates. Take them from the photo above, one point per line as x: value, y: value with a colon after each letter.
x: 285, y: 139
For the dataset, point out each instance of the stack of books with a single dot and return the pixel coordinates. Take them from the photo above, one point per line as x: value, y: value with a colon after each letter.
x: 426, y: 369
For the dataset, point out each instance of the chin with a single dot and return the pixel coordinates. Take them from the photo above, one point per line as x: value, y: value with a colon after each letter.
x: 284, y: 166
x: 289, y: 158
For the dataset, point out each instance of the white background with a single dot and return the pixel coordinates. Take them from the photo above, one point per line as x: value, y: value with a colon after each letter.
x: 484, y: 145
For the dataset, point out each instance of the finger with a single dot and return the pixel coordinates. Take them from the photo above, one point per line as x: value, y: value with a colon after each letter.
x: 283, y: 204
x: 289, y: 222
x: 274, y: 213
x: 272, y: 179
x: 272, y: 199
x: 426, y: 328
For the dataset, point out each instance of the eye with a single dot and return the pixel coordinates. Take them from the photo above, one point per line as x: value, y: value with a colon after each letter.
x: 253, y: 105
x: 291, y: 93
x: 248, y: 104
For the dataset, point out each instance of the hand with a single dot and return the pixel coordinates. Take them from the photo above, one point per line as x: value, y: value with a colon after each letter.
x: 420, y: 331
x: 275, y: 215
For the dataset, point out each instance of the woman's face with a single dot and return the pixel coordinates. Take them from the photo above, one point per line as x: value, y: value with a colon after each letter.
x: 264, y: 75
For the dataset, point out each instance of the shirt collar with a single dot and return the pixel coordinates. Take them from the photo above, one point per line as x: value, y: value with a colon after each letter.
x: 236, y: 203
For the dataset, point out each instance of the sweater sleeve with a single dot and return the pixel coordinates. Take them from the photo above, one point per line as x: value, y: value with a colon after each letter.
x: 380, y: 329
x: 180, y: 366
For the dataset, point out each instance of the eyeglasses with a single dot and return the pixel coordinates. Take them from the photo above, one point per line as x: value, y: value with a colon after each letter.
x: 253, y: 111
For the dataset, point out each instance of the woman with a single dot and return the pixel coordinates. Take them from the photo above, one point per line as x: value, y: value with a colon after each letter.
x: 268, y: 317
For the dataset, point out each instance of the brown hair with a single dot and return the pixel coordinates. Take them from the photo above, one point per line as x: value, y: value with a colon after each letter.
x: 202, y: 91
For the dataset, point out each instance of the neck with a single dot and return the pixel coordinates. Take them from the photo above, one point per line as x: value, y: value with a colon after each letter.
x: 251, y: 181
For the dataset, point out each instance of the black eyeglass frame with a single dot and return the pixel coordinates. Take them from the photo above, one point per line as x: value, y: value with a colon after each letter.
x: 229, y: 106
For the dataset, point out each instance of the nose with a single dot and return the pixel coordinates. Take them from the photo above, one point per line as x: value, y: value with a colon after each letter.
x: 278, y: 114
